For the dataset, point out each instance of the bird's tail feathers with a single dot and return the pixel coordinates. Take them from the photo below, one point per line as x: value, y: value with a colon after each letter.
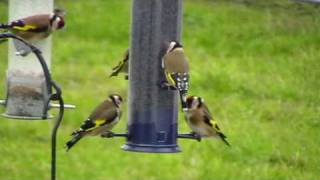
x: 114, y: 72
x: 223, y: 138
x: 183, y: 99
x: 116, y: 69
x: 73, y: 141
x: 4, y: 26
x: 3, y: 29
x: 181, y: 81
x: 182, y: 84
x: 76, y: 132
x: 3, y: 40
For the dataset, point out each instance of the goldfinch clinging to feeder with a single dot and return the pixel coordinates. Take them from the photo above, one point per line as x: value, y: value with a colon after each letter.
x: 36, y: 27
x: 176, y: 69
x: 102, y: 120
x: 200, y: 120
x: 122, y: 66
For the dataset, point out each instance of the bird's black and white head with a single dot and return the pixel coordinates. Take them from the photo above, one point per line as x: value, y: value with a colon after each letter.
x: 57, y: 20
x: 194, y: 102
x: 174, y: 45
x: 116, y: 99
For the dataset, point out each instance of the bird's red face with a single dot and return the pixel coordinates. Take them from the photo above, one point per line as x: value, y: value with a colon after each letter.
x: 194, y: 102
x: 57, y: 22
x: 60, y: 23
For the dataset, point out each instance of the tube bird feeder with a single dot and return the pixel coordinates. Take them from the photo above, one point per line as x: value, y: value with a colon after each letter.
x: 27, y: 90
x: 153, y: 112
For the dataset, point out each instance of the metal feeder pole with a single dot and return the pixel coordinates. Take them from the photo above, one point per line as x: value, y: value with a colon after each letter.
x: 27, y: 93
x: 153, y: 112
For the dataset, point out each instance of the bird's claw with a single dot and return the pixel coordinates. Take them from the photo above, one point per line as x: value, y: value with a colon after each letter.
x: 107, y: 134
x: 165, y: 85
x: 196, y: 136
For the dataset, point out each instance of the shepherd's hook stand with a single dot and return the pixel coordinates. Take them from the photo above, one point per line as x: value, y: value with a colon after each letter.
x: 56, y: 96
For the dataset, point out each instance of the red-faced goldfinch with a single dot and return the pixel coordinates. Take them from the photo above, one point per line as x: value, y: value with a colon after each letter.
x: 102, y: 120
x: 200, y: 120
x: 36, y: 27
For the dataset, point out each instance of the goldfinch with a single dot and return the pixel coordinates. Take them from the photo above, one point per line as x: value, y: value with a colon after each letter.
x: 200, y: 120
x: 123, y: 66
x: 103, y: 118
x: 36, y: 27
x: 176, y: 69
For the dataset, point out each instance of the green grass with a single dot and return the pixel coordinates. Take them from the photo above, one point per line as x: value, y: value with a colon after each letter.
x: 257, y: 68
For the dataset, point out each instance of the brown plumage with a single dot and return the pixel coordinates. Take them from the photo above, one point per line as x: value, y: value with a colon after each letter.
x: 176, y: 69
x: 36, y: 27
x: 102, y: 119
x: 200, y: 119
x: 175, y: 61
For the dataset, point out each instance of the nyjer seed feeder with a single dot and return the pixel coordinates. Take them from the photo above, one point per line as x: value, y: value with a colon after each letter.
x: 153, y: 112
x: 28, y: 88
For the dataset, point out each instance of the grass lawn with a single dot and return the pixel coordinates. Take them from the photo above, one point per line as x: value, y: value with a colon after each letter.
x: 257, y: 66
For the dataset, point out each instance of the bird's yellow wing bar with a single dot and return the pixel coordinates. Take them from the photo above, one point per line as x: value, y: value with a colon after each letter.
x: 170, y: 79
x: 24, y: 28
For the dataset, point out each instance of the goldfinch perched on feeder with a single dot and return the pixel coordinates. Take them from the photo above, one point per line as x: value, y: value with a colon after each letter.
x: 36, y: 27
x: 102, y: 120
x: 176, y: 70
x: 123, y: 66
x: 200, y: 120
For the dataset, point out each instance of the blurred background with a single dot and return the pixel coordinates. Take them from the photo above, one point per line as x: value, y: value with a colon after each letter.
x: 256, y: 64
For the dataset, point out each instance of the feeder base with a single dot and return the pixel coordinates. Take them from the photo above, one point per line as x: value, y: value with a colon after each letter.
x: 151, y: 148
